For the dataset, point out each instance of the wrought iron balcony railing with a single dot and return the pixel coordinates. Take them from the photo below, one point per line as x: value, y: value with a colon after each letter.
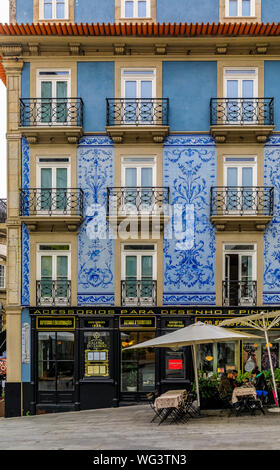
x: 242, y: 111
x: 241, y: 201
x: 3, y: 210
x: 137, y: 111
x: 137, y: 200
x: 49, y: 292
x: 239, y: 293
x: 135, y: 292
x: 52, y: 201
x: 42, y: 112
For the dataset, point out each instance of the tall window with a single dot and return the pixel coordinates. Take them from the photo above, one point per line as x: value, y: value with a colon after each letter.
x: 239, y: 8
x: 54, y: 9
x: 53, y: 87
x: 136, y: 9
x: 2, y: 276
x: 53, y: 179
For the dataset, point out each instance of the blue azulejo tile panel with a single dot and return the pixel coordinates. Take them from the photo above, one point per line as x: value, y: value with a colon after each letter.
x: 95, y: 247
x: 271, y: 281
x: 189, y: 169
x: 25, y: 164
x: 25, y: 266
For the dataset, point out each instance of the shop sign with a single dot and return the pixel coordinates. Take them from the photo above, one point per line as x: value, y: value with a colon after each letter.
x: 175, y: 364
x: 169, y: 310
x: 96, y: 324
x: 175, y: 324
x: 217, y: 320
x: 137, y: 322
x: 57, y: 323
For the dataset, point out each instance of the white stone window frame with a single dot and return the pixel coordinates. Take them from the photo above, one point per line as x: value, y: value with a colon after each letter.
x: 135, y: 9
x: 138, y: 254
x: 54, y: 254
x: 239, y: 9
x: 251, y: 252
x: 54, y: 15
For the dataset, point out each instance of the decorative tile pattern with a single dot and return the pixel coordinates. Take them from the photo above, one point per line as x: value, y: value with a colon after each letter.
x: 189, y: 169
x: 95, y: 256
x: 25, y: 164
x: 271, y: 281
x: 25, y: 266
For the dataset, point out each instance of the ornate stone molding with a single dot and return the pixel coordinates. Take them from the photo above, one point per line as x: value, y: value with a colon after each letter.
x: 119, y: 49
x: 160, y: 49
x: 34, y: 49
x: 221, y: 48
x: 10, y: 50
x: 75, y: 48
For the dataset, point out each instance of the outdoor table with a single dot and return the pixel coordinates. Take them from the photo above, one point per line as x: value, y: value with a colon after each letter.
x: 243, y: 392
x: 169, y: 401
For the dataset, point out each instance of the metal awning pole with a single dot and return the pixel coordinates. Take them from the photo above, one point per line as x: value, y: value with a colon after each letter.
x: 271, y: 367
x: 196, y: 375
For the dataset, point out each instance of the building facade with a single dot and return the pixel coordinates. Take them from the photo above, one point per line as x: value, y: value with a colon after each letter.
x: 3, y: 259
x: 143, y: 140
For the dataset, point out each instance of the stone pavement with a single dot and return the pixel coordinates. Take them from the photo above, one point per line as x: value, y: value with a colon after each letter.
x: 129, y: 427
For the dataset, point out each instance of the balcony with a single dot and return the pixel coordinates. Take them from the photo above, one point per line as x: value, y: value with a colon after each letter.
x: 237, y: 293
x: 139, y: 204
x: 137, y: 119
x: 53, y: 120
x: 241, y: 119
x: 139, y: 293
x: 241, y: 207
x: 53, y: 293
x: 54, y: 208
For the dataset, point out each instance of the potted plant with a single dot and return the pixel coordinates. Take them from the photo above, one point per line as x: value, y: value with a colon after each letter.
x: 131, y: 381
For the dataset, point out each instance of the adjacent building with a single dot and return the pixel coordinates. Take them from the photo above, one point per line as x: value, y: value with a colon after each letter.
x: 143, y: 141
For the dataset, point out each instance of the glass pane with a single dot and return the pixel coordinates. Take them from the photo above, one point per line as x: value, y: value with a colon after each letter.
x: 174, y: 364
x: 233, y: 8
x: 46, y: 194
x: 274, y: 352
x: 46, y: 107
x: 147, y: 177
x: 46, y: 376
x: 147, y: 266
x: 60, y: 9
x: 250, y: 355
x: 46, y: 346
x: 65, y: 346
x: 61, y: 109
x: 130, y: 89
x: 62, y: 267
x: 146, y: 89
x: 232, y: 195
x: 146, y: 364
x: 65, y: 376
x: 131, y: 266
x: 205, y: 358
x: 129, y: 9
x: 232, y: 88
x: 247, y: 195
x: 142, y: 5
x: 232, y: 177
x: 226, y: 356
x: 131, y: 177
x: 46, y: 267
x: 246, y: 267
x: 246, y: 7
x: 61, y: 182
x: 247, y: 88
x: 247, y: 176
x: 48, y: 9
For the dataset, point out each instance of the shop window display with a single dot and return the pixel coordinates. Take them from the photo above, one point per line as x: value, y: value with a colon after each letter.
x: 96, y: 354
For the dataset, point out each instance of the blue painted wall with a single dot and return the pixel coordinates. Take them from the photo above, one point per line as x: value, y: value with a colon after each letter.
x: 25, y: 80
x: 94, y: 11
x: 270, y: 11
x: 96, y: 82
x: 189, y: 87
x: 24, y: 12
x: 95, y: 253
x: 189, y: 169
x: 188, y: 11
x: 271, y: 87
x: 271, y: 260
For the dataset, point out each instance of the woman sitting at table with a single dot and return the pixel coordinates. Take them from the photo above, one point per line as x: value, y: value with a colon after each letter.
x: 260, y: 383
x: 226, y: 386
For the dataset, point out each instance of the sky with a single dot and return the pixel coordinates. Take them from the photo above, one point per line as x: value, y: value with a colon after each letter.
x: 4, y: 18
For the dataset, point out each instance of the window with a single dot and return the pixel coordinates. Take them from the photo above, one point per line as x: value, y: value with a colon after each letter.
x: 53, y: 89
x: 53, y: 274
x: 240, y: 89
x: 139, y: 274
x: 55, y: 361
x: 240, y: 270
x: 241, y: 173
x: 136, y: 9
x: 239, y: 8
x: 54, y: 9
x: 138, y: 173
x: 53, y: 179
x: 2, y: 276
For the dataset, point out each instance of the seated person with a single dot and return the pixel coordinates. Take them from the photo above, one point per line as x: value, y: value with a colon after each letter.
x: 226, y: 386
x: 260, y: 382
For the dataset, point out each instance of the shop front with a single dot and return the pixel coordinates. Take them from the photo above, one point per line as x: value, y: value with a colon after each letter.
x: 79, y: 360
